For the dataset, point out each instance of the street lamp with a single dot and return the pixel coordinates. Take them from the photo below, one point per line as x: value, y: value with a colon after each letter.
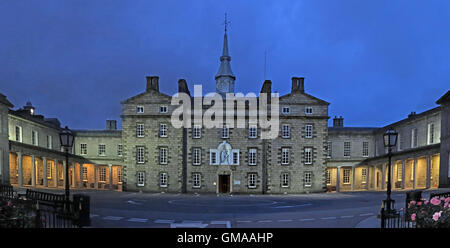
x: 66, y: 139
x: 390, y: 139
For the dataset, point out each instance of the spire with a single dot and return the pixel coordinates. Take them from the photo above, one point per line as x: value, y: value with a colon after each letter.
x: 225, y: 67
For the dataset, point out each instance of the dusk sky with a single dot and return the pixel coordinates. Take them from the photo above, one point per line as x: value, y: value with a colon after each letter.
x: 375, y: 61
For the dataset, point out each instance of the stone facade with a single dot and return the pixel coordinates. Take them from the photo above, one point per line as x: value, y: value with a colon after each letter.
x: 4, y: 143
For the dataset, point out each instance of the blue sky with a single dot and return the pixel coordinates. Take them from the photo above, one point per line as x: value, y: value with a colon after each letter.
x: 375, y: 61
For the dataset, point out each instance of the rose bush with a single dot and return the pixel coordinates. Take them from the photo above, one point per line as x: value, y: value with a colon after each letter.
x: 430, y: 214
x: 15, y: 214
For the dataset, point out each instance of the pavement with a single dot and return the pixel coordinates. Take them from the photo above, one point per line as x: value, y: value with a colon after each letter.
x: 163, y: 210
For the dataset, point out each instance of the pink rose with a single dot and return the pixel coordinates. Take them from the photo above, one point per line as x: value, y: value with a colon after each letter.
x: 435, y: 201
x: 436, y: 216
x: 413, y: 217
x: 419, y: 203
x: 426, y: 202
x: 446, y: 205
x: 447, y: 199
x: 9, y: 203
x: 412, y: 202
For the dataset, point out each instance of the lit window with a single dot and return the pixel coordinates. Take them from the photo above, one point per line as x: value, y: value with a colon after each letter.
x: 346, y: 177
x: 308, y: 155
x: 101, y: 149
x: 162, y: 130
x: 286, y: 110
x: 163, y: 109
x: 252, y: 157
x: 284, y: 155
x: 308, y: 179
x: 163, y: 180
x: 328, y: 177
x: 196, y: 131
x: 196, y: 156
x: 400, y: 172
x: 85, y: 174
x: 102, y: 174
x: 196, y: 180
x: 285, y: 180
x: 140, y: 154
x: 252, y: 180
x: 140, y: 109
x: 49, y: 170
x: 308, y: 110
x: 119, y: 174
x: 364, y: 175
x: 285, y: 131
x: 83, y: 149
x: 309, y: 131
x: 140, y: 178
x: 252, y: 131
x: 140, y: 130
x: 163, y: 155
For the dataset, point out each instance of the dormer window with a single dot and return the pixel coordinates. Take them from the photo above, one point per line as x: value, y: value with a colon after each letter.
x: 308, y: 110
x: 286, y: 110
x: 163, y: 109
x: 140, y: 109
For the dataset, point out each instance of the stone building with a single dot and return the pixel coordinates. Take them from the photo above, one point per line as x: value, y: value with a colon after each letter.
x: 150, y: 154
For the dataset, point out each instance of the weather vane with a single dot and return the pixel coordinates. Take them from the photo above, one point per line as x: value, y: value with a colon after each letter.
x: 226, y: 22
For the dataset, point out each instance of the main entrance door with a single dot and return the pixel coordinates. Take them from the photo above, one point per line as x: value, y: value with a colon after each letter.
x: 224, y: 183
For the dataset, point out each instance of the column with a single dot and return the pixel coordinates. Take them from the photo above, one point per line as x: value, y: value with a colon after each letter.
x: 74, y: 183
x: 44, y: 163
x: 95, y: 176
x: 33, y: 171
x: 368, y: 178
x: 55, y: 173
x: 383, y: 176
x: 338, y: 179
x: 353, y: 178
x: 374, y: 177
x: 110, y: 177
x: 403, y: 173
x: 20, y: 169
x: 64, y: 173
x: 414, y: 173
x: 428, y: 172
x: 81, y: 175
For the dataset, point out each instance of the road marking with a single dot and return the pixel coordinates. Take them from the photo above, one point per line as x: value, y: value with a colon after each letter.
x: 188, y: 225
x: 347, y: 216
x: 112, y: 218
x: 191, y: 221
x: 284, y: 220
x: 134, y: 203
x: 328, y: 218
x: 294, y: 206
x: 93, y: 215
x: 305, y: 219
x: 221, y: 222
x: 244, y: 221
x: 368, y: 214
x: 264, y: 221
x: 164, y: 221
x: 137, y: 220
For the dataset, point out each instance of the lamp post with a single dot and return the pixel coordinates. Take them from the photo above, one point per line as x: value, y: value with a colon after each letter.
x: 66, y: 139
x: 390, y: 140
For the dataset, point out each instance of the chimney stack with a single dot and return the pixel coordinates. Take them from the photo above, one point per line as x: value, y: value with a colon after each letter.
x: 183, y: 87
x: 412, y: 114
x: 111, y: 125
x: 152, y: 83
x: 298, y: 84
x: 338, y: 122
x: 267, y: 87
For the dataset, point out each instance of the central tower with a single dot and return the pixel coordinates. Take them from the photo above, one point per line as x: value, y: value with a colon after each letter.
x: 225, y: 77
